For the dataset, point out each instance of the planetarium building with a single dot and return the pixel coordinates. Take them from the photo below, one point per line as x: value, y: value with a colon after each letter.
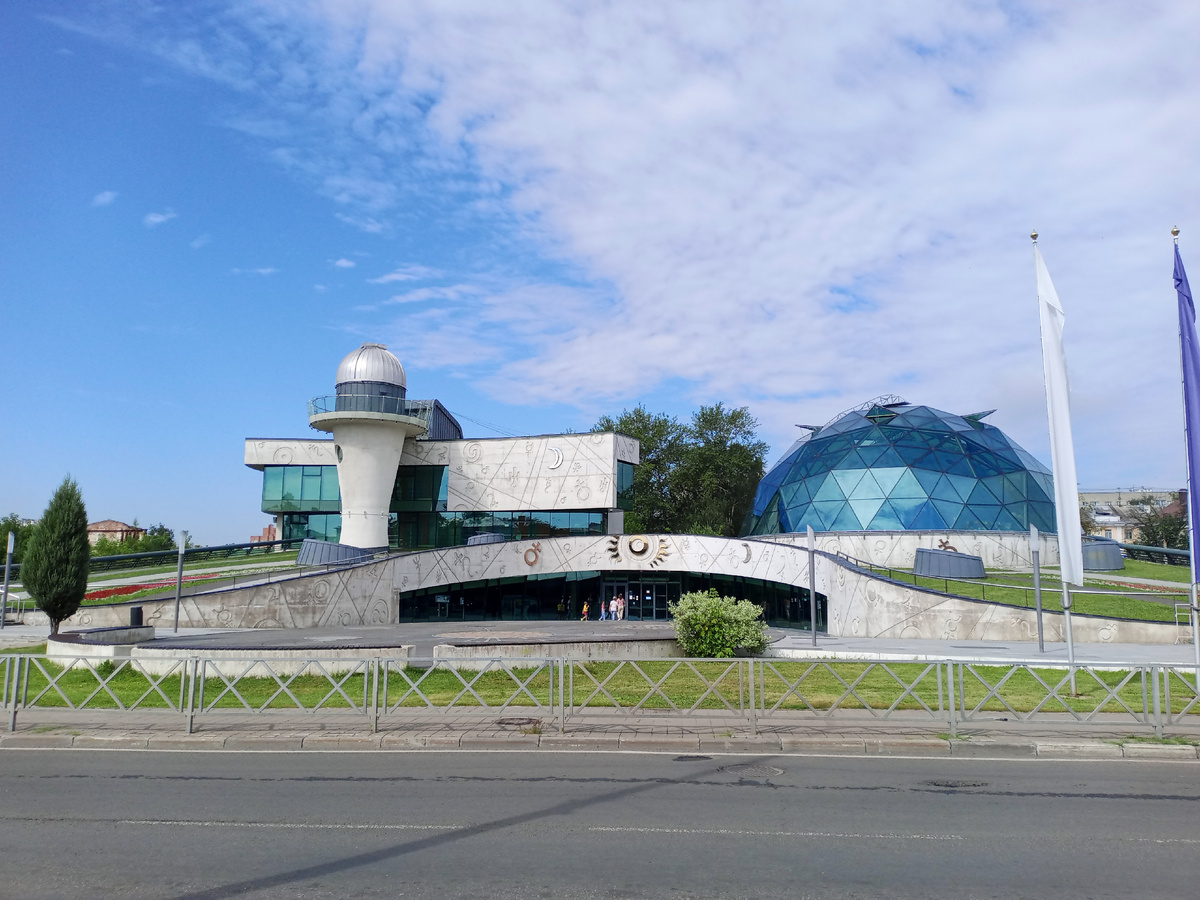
x: 533, y: 527
x: 891, y: 465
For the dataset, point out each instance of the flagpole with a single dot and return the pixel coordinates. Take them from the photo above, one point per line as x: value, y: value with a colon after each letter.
x: 1062, y: 517
x: 1193, y: 608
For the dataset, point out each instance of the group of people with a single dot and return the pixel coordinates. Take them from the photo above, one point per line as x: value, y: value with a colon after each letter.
x: 613, y: 610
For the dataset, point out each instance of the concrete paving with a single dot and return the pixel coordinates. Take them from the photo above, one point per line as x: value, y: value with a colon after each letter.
x: 799, y: 646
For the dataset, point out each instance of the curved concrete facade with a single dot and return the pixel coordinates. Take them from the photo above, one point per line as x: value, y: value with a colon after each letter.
x: 859, y: 602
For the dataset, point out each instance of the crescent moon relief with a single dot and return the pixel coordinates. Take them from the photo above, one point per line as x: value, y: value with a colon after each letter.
x: 558, y: 458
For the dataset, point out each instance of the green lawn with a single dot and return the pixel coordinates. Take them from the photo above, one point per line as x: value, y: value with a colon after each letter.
x: 1136, y: 568
x: 819, y: 686
x: 1016, y: 589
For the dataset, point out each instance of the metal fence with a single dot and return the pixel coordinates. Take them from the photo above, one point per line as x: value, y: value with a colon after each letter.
x: 1008, y: 593
x: 754, y: 693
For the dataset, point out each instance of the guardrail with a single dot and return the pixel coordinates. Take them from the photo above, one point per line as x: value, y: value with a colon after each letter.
x: 191, y: 554
x: 1166, y: 555
x: 750, y: 692
x: 978, y: 590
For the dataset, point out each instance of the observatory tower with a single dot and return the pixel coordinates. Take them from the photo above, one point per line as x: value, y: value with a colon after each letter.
x: 369, y: 419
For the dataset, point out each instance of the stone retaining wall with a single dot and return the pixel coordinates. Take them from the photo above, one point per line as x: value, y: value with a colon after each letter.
x: 860, y: 603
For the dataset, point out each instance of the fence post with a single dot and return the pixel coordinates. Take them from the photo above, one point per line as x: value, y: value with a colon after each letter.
x: 16, y: 680
x: 1158, y: 725
x: 189, y: 677
x: 950, y: 705
x: 562, y: 700
x: 753, y: 705
x: 550, y: 703
x: 375, y: 664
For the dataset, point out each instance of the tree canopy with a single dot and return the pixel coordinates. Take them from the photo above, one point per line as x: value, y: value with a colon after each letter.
x: 15, y: 524
x: 697, y: 477
x: 55, y: 568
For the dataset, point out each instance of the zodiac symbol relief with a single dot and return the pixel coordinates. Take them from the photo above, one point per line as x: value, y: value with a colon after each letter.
x: 944, y: 544
x: 473, y: 452
x: 533, y: 554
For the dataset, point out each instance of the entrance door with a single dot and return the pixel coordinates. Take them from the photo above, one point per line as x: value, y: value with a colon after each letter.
x: 654, y: 600
x: 610, y: 591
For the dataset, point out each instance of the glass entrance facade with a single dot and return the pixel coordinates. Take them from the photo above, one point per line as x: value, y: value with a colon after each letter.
x: 648, y: 598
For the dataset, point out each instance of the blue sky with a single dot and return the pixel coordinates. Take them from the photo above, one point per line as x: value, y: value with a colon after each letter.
x: 552, y: 212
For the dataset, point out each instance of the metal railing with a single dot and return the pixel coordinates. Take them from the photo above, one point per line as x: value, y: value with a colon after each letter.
x: 191, y: 555
x: 1002, y: 592
x: 392, y: 406
x: 778, y: 692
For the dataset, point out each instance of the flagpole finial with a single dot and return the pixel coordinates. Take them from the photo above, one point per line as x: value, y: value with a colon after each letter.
x: 1175, y: 233
x: 1033, y: 234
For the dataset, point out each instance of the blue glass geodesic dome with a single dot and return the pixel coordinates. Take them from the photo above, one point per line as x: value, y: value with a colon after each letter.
x: 891, y: 466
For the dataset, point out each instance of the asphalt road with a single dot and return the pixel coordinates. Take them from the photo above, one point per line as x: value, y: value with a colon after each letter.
x: 500, y: 825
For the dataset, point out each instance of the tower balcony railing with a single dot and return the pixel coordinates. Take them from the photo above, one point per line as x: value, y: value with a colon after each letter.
x: 392, y: 406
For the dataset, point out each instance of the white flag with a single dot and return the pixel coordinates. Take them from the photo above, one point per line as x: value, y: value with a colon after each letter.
x: 1058, y: 408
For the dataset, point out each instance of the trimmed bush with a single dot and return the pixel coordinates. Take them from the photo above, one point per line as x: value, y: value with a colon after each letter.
x: 55, y: 568
x: 711, y: 626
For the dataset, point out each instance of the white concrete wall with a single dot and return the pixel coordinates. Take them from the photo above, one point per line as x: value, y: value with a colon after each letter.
x: 998, y: 549
x: 859, y: 603
x: 545, y: 472
x: 366, y: 476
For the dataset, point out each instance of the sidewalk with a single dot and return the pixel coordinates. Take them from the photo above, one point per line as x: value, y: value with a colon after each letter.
x: 518, y: 730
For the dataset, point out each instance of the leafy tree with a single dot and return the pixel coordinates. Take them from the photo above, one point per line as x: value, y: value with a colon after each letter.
x: 708, y: 625
x: 157, y: 537
x: 661, y: 437
x: 13, y: 523
x: 1160, y: 527
x: 722, y: 465
x: 1087, y: 521
x: 698, y: 478
x: 55, y: 568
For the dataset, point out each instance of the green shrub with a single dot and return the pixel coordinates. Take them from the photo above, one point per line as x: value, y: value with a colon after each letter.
x: 711, y: 626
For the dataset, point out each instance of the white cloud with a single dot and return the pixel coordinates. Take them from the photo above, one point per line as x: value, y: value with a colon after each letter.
x: 265, y: 270
x: 366, y: 224
x: 104, y: 198
x: 795, y: 206
x: 153, y: 220
x: 199, y: 241
x: 406, y: 273
x: 449, y: 292
x: 344, y: 263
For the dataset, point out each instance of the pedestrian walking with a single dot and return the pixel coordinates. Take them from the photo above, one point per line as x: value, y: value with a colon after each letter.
x: 612, y: 609
x: 621, y: 607
x: 584, y: 617
x: 603, y: 610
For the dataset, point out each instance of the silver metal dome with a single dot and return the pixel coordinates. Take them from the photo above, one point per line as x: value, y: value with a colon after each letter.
x: 372, y: 362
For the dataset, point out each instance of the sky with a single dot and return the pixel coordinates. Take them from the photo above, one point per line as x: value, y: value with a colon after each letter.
x: 555, y: 211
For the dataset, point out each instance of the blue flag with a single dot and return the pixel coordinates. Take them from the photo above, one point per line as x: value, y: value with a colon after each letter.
x: 1190, y: 358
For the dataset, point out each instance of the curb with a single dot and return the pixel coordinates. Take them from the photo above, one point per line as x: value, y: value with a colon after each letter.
x: 772, y: 745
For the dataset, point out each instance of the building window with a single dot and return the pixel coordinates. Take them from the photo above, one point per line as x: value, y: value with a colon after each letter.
x: 624, y: 485
x: 301, y: 489
x: 1108, y: 532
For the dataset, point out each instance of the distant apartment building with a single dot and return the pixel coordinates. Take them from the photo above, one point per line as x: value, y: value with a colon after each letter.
x: 1114, y: 511
x: 112, y: 530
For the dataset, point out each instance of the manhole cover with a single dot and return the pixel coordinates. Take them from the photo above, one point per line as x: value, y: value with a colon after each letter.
x: 518, y: 721
x: 692, y: 758
x: 752, y: 771
x: 954, y: 783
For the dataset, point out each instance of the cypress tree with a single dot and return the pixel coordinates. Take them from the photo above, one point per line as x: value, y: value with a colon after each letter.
x: 55, y: 568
